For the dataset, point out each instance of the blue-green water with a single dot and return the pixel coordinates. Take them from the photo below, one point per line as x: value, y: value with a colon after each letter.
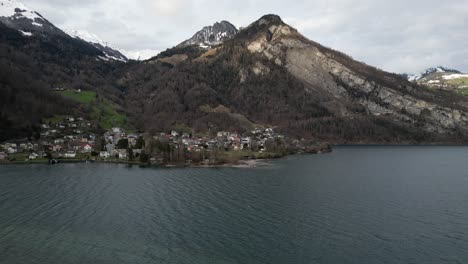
x: 356, y: 205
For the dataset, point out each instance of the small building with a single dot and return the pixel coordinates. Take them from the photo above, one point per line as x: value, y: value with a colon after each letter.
x: 11, y: 150
x: 116, y: 130
x: 110, y: 147
x: 222, y: 134
x: 174, y: 133
x: 86, y: 148
x: 57, y: 148
x: 3, y: 156
x: 122, y: 153
x: 104, y: 154
x: 33, y: 156
x: 70, y: 154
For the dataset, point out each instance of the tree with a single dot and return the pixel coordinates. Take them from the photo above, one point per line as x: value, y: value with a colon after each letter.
x: 122, y: 144
x: 131, y: 156
x: 144, y: 158
x: 140, y: 143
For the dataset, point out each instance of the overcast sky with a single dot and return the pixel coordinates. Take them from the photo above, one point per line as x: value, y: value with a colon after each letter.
x: 397, y: 35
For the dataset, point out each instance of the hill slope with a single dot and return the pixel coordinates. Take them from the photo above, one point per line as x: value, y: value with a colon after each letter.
x: 34, y: 59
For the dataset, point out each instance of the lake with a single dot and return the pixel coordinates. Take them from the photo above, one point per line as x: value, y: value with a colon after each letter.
x: 355, y: 205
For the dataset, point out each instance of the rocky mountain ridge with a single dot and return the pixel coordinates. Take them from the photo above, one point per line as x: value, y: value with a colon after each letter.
x: 211, y: 35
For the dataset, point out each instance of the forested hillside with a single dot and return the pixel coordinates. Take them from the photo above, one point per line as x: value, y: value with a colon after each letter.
x: 30, y: 67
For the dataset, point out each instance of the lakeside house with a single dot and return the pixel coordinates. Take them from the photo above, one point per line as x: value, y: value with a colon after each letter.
x: 33, y: 156
x: 3, y: 156
x: 104, y: 154
x: 122, y: 153
x: 11, y: 150
x: 86, y: 148
x: 70, y: 154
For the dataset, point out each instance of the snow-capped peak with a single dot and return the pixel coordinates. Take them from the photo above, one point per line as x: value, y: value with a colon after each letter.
x: 429, y: 71
x: 212, y: 35
x: 13, y: 8
x: 86, y: 36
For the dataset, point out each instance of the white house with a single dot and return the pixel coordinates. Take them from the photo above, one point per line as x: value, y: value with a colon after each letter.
x: 104, y: 154
x: 116, y: 130
x: 222, y: 134
x: 33, y: 156
x: 123, y: 153
x: 3, y: 155
x: 174, y: 133
x: 11, y: 150
x: 87, y: 148
x: 70, y: 154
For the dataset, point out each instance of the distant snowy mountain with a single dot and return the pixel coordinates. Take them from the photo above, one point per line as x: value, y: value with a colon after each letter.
x: 140, y: 55
x: 212, y: 35
x: 429, y: 71
x: 109, y: 51
x: 15, y: 14
x: 442, y: 78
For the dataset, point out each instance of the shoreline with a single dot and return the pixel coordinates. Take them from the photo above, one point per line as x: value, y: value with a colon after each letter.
x: 243, y: 163
x: 250, y: 163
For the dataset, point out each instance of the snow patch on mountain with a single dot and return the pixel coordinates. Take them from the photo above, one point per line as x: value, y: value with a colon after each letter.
x: 13, y: 8
x: 86, y: 36
x: 27, y: 34
x: 455, y: 76
x: 110, y: 52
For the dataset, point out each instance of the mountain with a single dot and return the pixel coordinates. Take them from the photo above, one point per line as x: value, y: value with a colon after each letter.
x: 110, y: 52
x: 268, y: 74
x: 443, y: 78
x: 15, y: 14
x: 265, y: 75
x: 429, y: 71
x: 36, y: 57
x: 211, y: 35
x: 141, y: 55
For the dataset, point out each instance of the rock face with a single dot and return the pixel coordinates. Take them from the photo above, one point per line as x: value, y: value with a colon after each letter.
x: 348, y: 82
x: 211, y: 35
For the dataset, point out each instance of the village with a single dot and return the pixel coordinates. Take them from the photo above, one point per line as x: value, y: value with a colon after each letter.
x: 71, y: 139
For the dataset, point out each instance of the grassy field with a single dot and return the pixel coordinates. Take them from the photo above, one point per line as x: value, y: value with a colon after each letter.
x: 460, y: 82
x: 84, y: 97
x: 102, y: 111
x: 56, y: 119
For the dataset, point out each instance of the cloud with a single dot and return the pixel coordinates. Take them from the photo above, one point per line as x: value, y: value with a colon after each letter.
x: 398, y: 35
